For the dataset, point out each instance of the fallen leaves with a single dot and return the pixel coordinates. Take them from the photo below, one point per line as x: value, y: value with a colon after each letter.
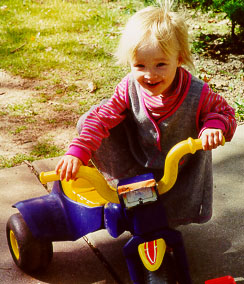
x: 206, y: 79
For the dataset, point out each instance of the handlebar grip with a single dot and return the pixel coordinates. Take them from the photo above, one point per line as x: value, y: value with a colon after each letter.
x: 46, y: 177
x: 196, y: 144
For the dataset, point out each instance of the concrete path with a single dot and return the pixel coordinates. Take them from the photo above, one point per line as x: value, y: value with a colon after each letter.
x: 214, y: 249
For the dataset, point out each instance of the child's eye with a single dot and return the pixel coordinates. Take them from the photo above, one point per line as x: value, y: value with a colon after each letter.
x: 139, y: 65
x: 161, y: 64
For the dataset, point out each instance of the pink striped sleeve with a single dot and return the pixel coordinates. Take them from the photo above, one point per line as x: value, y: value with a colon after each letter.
x: 216, y: 113
x: 98, y: 123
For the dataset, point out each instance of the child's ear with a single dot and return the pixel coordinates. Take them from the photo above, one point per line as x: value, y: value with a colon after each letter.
x: 179, y: 61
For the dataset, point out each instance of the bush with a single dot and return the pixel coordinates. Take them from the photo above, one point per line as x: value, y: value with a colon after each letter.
x: 234, y: 9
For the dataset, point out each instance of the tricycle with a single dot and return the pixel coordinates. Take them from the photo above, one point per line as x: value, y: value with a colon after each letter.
x: 154, y: 254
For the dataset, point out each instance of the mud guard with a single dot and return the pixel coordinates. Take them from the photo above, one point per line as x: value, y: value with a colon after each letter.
x: 55, y: 217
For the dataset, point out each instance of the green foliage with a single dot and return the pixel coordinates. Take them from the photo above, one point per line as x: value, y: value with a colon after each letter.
x: 234, y: 9
x: 239, y: 107
x: 46, y: 150
x: 201, y: 44
x: 19, y: 129
x: 16, y: 160
x: 150, y: 2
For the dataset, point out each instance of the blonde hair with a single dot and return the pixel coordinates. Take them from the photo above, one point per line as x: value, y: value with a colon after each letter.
x: 158, y: 26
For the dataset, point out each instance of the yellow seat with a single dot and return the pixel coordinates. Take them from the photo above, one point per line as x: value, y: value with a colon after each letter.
x: 82, y: 191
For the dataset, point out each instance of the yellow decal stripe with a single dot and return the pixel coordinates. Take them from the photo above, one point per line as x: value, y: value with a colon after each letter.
x: 159, y: 252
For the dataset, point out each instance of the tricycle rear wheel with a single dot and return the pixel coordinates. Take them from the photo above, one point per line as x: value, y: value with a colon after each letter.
x: 29, y: 253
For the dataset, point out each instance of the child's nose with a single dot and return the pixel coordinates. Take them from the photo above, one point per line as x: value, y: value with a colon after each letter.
x: 150, y: 74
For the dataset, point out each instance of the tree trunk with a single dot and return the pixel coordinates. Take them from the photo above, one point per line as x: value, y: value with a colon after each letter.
x: 233, y: 29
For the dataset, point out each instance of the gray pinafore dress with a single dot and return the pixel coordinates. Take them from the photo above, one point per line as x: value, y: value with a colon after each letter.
x: 139, y: 145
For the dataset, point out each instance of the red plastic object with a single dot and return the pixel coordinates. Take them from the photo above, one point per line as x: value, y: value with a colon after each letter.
x: 221, y: 280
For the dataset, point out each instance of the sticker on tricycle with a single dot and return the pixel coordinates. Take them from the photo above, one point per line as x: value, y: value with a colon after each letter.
x: 138, y: 193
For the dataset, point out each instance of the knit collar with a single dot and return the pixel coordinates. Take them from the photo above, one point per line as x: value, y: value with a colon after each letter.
x: 160, y: 105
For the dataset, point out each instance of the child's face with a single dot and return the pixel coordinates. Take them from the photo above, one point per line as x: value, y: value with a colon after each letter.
x: 154, y: 70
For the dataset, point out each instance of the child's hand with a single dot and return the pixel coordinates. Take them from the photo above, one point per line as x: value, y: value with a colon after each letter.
x: 68, y: 166
x: 211, y: 138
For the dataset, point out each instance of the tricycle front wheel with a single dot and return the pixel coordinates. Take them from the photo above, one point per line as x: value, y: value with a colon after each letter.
x: 29, y: 254
x: 165, y: 274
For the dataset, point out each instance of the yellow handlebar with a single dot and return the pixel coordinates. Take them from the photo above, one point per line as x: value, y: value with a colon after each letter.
x: 165, y: 184
x: 93, y: 176
x: 172, y: 160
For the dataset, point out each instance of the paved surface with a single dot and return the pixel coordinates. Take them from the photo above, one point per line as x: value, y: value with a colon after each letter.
x: 214, y: 249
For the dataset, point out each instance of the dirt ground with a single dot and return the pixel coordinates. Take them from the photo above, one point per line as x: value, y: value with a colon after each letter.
x: 19, y: 132
x: 15, y: 91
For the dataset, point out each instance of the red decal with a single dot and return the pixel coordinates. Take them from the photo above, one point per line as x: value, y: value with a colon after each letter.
x: 151, y: 251
x: 182, y: 162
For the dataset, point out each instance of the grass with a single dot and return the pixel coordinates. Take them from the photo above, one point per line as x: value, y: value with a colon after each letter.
x: 42, y: 150
x: 17, y: 159
x: 49, y: 39
x: 25, y: 108
x: 19, y: 129
x: 46, y: 150
x: 67, y: 44
x: 61, y: 42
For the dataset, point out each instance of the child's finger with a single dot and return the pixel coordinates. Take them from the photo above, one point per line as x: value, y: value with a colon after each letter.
x: 204, y: 142
x: 217, y: 140
x: 58, y: 166
x: 221, y: 137
x: 211, y: 142
x: 63, y: 171
x: 76, y: 166
x: 69, y: 170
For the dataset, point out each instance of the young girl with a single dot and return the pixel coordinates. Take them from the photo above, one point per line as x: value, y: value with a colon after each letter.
x: 157, y: 105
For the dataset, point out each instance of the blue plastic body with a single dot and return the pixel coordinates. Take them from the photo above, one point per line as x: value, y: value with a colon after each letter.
x: 55, y: 217
x: 114, y: 219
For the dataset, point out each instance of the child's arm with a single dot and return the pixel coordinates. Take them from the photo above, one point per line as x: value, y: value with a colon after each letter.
x: 96, y: 127
x: 216, y: 119
x: 98, y: 124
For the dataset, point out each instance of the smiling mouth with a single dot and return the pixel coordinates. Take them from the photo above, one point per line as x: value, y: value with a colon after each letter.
x: 153, y: 85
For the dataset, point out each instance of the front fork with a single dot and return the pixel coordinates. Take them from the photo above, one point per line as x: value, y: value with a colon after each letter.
x: 145, y: 217
x: 149, y: 252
